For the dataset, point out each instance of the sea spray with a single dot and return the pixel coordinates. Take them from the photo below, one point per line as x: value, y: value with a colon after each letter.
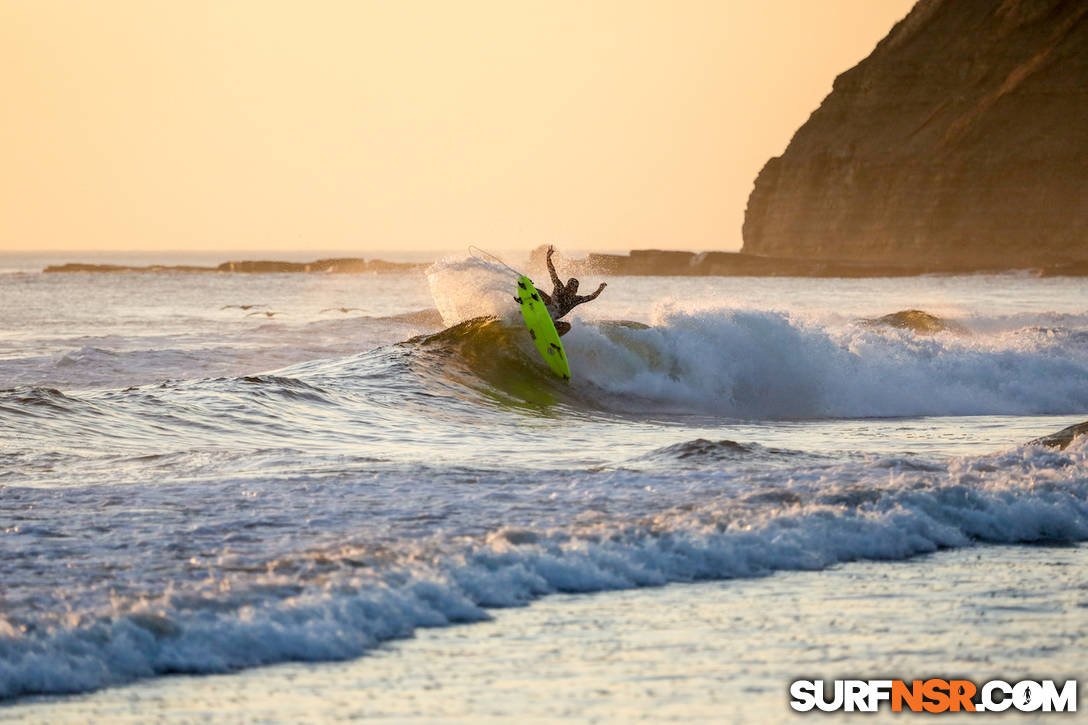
x: 473, y: 287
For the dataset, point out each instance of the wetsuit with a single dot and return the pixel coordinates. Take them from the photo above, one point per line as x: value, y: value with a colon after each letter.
x: 564, y: 298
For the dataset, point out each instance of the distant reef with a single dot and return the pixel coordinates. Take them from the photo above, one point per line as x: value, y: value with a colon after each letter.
x: 347, y: 265
x: 959, y: 144
x: 639, y: 262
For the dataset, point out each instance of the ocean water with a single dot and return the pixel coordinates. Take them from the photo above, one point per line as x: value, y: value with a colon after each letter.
x: 706, y: 652
x: 187, y: 486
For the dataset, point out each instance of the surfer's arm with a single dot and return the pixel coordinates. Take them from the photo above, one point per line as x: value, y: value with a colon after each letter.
x: 551, y: 268
x: 589, y: 298
x: 544, y: 296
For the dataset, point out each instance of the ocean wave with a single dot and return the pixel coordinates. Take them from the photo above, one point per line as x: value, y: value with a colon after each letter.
x: 762, y: 365
x: 427, y: 317
x: 765, y: 365
x: 996, y: 324
x: 236, y: 348
x: 723, y: 364
x: 819, y: 518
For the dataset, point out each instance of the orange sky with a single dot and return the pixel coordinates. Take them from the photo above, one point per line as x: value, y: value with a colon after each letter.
x: 360, y: 126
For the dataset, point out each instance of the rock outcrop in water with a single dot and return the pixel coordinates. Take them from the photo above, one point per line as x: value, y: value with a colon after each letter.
x: 960, y: 143
x: 344, y: 265
x: 1062, y: 438
x: 918, y: 321
x: 73, y: 267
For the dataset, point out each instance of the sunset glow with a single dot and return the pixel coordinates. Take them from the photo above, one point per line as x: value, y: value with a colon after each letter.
x: 137, y: 125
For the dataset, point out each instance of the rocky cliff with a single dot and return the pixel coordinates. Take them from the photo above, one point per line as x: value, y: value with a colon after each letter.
x: 961, y: 142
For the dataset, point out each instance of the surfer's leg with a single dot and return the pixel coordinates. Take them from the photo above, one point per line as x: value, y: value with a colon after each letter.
x: 562, y: 327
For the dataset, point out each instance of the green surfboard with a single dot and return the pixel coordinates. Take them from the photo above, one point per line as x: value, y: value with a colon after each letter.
x: 541, y: 328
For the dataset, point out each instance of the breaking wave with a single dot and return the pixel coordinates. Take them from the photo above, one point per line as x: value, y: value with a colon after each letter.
x: 338, y: 602
x: 765, y: 365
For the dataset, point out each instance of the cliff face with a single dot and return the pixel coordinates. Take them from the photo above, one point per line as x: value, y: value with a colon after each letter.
x: 961, y: 141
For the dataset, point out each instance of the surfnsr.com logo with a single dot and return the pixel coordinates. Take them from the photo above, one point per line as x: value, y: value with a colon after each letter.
x: 933, y: 695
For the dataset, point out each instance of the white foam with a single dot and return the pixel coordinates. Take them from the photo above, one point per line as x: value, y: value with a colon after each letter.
x: 753, y: 364
x: 875, y: 510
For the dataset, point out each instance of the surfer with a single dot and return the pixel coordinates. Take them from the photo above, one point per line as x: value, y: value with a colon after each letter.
x: 564, y: 297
